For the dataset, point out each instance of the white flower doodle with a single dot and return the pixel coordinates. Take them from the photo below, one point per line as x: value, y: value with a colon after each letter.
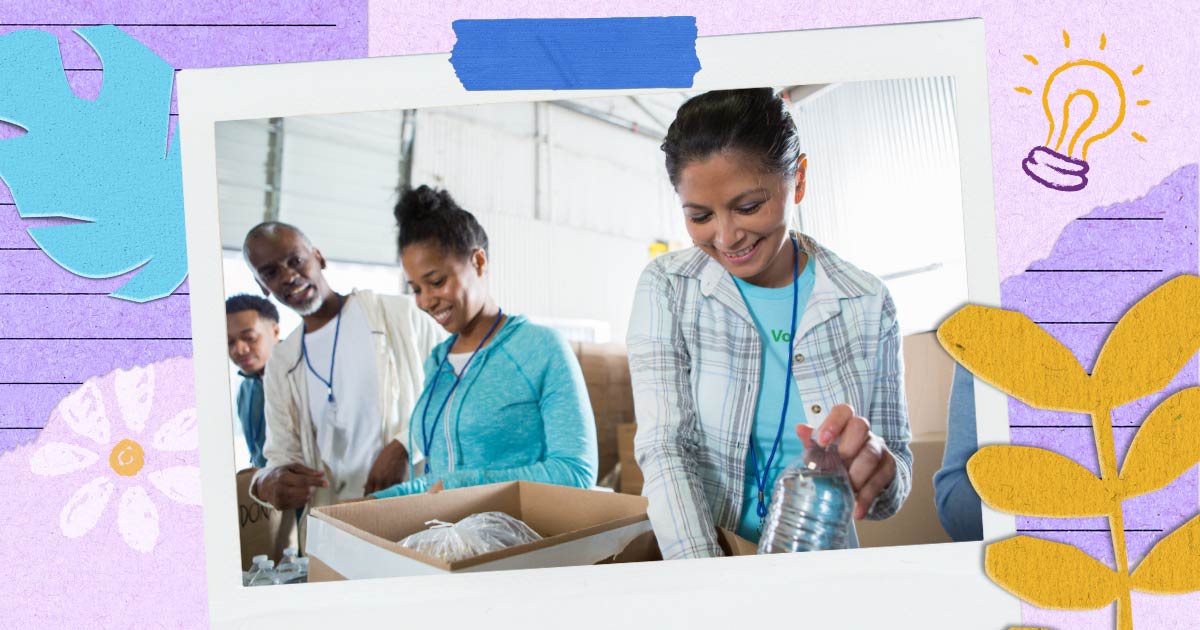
x: 85, y: 413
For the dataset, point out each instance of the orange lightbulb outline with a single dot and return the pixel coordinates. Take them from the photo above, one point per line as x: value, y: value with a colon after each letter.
x: 1095, y: 106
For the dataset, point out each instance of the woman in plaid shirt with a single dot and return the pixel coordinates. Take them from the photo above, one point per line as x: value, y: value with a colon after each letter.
x: 716, y: 327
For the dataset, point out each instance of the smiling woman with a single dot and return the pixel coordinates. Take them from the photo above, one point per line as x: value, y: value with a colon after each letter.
x: 504, y: 398
x: 719, y: 374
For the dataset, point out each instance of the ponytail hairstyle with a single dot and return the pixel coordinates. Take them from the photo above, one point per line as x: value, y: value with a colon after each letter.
x: 428, y: 215
x: 754, y: 123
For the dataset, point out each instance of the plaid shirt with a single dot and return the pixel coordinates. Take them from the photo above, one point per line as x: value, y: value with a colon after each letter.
x: 695, y: 361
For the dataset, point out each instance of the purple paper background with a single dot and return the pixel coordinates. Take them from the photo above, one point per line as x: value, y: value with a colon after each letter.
x: 1035, y: 226
x: 51, y: 337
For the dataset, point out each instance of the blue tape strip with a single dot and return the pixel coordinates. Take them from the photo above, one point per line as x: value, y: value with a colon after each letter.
x: 576, y: 54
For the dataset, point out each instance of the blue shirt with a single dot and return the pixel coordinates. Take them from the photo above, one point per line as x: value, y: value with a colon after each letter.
x: 250, y: 412
x: 957, y: 502
x: 772, y: 313
x: 521, y: 412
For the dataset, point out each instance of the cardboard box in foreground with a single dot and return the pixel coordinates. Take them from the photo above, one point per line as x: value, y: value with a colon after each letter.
x: 579, y: 527
x: 262, y: 530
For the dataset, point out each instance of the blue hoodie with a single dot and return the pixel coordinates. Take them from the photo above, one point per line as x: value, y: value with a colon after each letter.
x: 521, y: 412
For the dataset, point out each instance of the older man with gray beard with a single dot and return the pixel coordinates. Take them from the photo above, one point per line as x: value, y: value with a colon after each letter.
x: 340, y: 388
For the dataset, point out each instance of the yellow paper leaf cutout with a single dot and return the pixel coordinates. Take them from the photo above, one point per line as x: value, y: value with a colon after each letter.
x: 1150, y: 343
x: 1037, y: 482
x: 1166, y: 445
x: 1008, y: 350
x: 1051, y: 575
x: 1170, y: 567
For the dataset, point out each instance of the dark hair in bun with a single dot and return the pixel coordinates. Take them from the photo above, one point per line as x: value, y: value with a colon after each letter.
x: 425, y: 214
x: 753, y: 122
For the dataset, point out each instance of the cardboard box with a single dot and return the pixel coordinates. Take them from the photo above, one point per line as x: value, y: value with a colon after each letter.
x: 262, y: 530
x: 917, y: 522
x: 579, y: 527
x: 644, y: 548
x: 734, y: 545
x: 606, y: 374
x: 625, y: 434
x: 631, y: 479
x: 928, y: 374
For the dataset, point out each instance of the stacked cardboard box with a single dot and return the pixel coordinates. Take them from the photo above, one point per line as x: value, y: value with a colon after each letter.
x: 928, y: 372
x: 916, y: 523
x: 631, y: 476
x: 606, y: 374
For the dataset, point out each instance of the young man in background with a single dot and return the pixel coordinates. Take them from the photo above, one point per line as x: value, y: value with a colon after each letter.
x: 252, y: 330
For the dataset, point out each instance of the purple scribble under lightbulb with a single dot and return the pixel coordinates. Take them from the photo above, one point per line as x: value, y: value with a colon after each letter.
x: 1055, y: 170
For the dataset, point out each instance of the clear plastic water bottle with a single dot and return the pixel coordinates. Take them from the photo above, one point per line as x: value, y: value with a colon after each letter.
x: 287, y: 564
x: 254, y: 569
x: 812, y: 507
x: 300, y: 575
x: 263, y: 573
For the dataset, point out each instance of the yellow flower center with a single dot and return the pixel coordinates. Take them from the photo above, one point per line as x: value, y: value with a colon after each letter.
x: 127, y: 458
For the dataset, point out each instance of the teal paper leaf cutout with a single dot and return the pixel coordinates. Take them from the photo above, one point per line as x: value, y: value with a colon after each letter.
x: 104, y: 162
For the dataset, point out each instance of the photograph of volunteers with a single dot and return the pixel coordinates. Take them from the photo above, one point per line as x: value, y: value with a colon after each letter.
x: 340, y: 387
x: 504, y: 398
x: 252, y: 330
x: 723, y: 398
x: 661, y: 294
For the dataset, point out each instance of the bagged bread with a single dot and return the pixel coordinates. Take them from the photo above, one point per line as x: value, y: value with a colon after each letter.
x: 473, y: 536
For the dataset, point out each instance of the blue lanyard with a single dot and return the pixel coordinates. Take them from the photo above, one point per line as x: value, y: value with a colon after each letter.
x: 760, y: 477
x: 427, y: 437
x: 333, y: 356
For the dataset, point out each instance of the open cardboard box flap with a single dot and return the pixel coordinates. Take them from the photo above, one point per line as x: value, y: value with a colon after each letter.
x: 559, y: 514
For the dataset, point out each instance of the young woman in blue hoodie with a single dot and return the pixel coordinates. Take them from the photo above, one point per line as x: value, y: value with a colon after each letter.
x: 504, y: 398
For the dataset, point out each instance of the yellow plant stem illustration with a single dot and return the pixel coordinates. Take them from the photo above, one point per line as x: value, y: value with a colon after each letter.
x: 1106, y: 452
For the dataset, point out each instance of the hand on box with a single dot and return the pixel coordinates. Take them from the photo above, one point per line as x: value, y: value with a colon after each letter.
x: 389, y: 469
x: 868, y: 461
x: 291, y: 486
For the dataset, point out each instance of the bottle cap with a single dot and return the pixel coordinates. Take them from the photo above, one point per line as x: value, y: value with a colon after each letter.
x: 258, y: 558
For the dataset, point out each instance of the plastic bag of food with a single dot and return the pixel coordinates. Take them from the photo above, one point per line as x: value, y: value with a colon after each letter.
x: 472, y: 536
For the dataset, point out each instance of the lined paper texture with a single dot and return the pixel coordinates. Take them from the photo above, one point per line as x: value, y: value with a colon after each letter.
x: 57, y: 329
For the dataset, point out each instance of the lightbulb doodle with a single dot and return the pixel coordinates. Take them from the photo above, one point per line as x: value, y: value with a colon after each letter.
x: 1084, y: 101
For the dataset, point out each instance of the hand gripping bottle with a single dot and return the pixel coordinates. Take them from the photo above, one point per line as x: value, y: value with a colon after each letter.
x: 812, y: 507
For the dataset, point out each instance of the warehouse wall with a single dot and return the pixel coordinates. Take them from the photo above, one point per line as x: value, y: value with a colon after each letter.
x: 572, y: 204
x: 884, y: 154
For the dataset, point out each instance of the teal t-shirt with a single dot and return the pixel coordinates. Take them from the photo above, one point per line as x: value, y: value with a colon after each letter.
x: 772, y: 313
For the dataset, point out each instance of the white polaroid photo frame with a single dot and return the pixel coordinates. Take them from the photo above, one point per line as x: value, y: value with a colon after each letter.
x: 927, y: 586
